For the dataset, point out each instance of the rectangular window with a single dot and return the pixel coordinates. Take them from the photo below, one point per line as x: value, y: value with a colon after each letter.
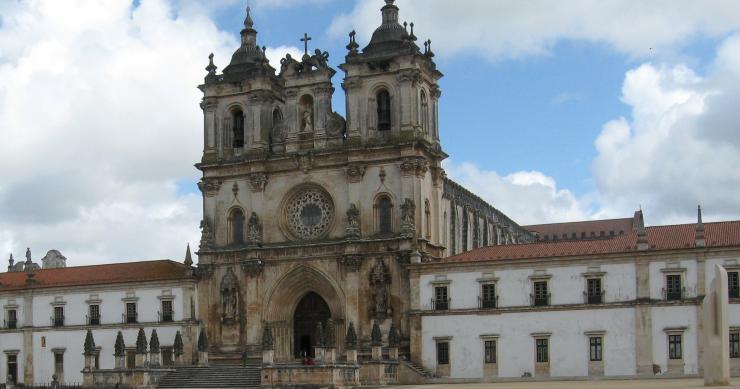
x: 441, y: 299
x: 167, y: 310
x: 595, y: 348
x: 94, y: 314
x: 130, y: 359
x: 443, y: 353
x: 58, y: 364
x: 674, y: 347
x: 58, y: 316
x: 488, y: 296
x: 12, y: 319
x: 131, y: 313
x: 541, y: 297
x: 490, y: 351
x: 12, y: 368
x: 734, y: 344
x: 733, y: 284
x: 542, y: 350
x: 673, y: 287
x: 594, y: 290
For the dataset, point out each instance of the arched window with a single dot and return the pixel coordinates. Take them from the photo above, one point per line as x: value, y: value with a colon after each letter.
x: 424, y: 112
x: 453, y: 231
x: 236, y: 221
x: 485, y: 233
x: 476, y: 231
x: 237, y: 128
x: 465, y: 223
x: 385, y: 215
x: 427, y: 220
x: 383, y: 99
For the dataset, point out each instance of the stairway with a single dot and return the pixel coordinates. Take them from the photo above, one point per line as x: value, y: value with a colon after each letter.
x: 418, y: 369
x: 218, y: 376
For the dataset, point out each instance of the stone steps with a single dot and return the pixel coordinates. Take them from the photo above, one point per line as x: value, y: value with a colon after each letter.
x: 218, y: 376
x: 418, y: 369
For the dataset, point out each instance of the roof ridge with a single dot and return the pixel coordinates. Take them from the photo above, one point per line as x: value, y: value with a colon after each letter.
x: 108, y: 264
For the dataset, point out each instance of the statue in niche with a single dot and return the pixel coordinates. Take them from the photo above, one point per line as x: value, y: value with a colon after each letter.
x: 408, y: 226
x: 229, y: 297
x: 307, y: 120
x: 380, y: 280
x: 353, y: 222
x: 254, y: 229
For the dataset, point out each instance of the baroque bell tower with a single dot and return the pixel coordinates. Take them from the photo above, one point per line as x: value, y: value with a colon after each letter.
x: 311, y: 219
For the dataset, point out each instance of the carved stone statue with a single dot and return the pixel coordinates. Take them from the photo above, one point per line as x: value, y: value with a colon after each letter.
x: 353, y: 222
x: 206, y: 236
x: 380, y: 281
x: 229, y: 296
x: 320, y: 59
x: 254, y: 229
x: 408, y: 226
x: 307, y: 121
x: 335, y: 125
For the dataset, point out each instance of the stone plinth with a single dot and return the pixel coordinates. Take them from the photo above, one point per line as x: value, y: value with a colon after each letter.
x: 377, y: 352
x: 716, y: 333
x: 268, y: 357
x: 140, y: 360
x: 351, y: 356
x: 202, y: 358
x: 330, y: 355
x: 393, y: 353
x: 120, y: 362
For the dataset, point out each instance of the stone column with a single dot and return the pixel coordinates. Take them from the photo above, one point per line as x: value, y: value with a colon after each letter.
x: 716, y: 333
x: 319, y: 347
x: 330, y: 339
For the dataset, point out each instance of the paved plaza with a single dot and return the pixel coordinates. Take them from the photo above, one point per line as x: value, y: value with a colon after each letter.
x: 684, y: 383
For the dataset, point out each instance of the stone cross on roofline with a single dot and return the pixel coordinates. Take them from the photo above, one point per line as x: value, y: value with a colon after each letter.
x: 305, y: 40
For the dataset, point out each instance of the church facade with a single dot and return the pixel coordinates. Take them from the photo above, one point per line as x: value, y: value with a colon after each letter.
x: 309, y: 216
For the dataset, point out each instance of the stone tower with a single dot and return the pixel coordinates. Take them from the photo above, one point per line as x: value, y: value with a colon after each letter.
x: 307, y: 216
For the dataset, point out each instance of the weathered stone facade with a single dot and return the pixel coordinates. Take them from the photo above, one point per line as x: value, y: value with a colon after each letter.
x: 299, y: 201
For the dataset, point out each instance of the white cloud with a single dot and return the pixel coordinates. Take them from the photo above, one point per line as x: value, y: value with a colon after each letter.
x: 681, y: 145
x: 277, y: 53
x: 100, y: 126
x: 528, y: 197
x: 510, y: 29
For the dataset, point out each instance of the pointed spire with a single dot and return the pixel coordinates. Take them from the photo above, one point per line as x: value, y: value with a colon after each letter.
x: 203, y: 340
x: 393, y: 337
x: 248, y: 22
x: 700, y: 241
x: 154, y: 342
x: 642, y: 241
x: 11, y: 261
x: 188, y: 257
x: 141, y: 342
x: 120, y: 347
x: 90, y: 344
x: 412, y: 36
x: 178, y: 347
x: 376, y: 337
x: 350, y: 341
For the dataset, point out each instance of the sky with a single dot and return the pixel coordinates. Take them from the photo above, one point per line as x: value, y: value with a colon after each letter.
x: 550, y: 110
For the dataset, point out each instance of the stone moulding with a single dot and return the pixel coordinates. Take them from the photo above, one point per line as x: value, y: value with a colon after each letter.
x: 209, y: 187
x: 351, y: 262
x: 258, y: 182
x: 355, y: 172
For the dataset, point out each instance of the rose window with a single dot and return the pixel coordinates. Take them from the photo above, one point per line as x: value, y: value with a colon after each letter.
x: 309, y: 213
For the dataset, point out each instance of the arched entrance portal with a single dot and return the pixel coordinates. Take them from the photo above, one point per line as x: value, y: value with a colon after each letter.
x: 311, y: 310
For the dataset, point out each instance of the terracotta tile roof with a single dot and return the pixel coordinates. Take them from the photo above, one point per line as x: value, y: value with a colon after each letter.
x: 582, y: 227
x: 161, y: 270
x: 720, y: 234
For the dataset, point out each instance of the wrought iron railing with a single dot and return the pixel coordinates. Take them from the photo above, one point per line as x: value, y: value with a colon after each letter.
x: 440, y: 304
x: 487, y: 303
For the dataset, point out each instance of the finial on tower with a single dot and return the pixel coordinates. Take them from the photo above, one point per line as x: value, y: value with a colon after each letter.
x: 211, y: 68
x: 188, y: 257
x: 699, y: 239
x: 389, y: 2
x: 248, y: 22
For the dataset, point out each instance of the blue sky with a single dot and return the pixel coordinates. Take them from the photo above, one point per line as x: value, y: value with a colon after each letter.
x: 551, y: 110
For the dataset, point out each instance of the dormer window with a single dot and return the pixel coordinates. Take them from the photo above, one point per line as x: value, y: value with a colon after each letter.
x: 237, y: 128
x: 384, y: 110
